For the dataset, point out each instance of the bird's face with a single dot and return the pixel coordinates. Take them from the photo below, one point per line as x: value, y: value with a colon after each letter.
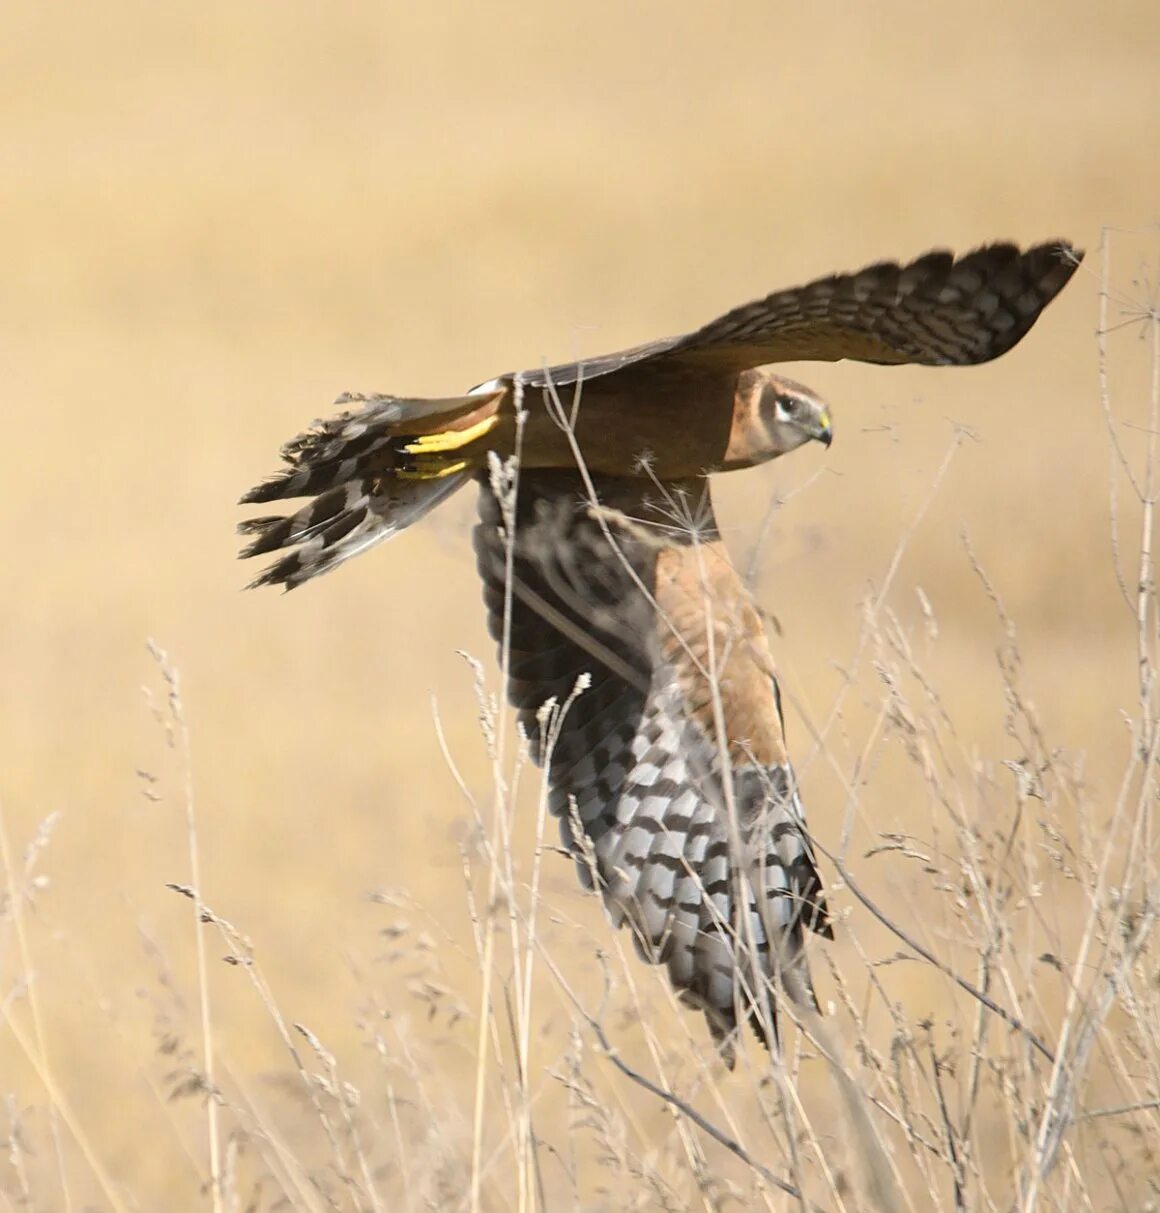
x: 791, y: 415
x: 772, y: 416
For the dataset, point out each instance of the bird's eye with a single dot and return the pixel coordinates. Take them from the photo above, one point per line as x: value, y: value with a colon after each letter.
x: 788, y: 405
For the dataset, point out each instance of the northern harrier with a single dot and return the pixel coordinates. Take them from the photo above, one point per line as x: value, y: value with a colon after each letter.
x: 668, y: 770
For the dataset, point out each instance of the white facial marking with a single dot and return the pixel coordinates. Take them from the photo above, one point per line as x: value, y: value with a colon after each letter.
x: 788, y: 414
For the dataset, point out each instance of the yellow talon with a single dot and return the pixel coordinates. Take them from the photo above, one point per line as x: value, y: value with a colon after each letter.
x: 450, y: 440
x: 437, y: 472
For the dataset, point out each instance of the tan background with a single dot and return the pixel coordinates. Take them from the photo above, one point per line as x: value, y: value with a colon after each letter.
x: 217, y: 217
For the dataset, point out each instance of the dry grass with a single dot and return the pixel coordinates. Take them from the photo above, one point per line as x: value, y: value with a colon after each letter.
x: 216, y: 220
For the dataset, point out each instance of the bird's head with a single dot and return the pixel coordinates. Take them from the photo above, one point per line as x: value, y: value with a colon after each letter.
x: 793, y: 415
x: 773, y: 415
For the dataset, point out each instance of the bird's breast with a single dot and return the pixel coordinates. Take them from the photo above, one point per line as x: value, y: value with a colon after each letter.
x: 712, y: 637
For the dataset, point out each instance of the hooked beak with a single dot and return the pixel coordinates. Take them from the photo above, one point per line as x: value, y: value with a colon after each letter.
x: 824, y: 433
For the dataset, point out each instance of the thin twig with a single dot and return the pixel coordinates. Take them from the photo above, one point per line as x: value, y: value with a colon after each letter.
x: 675, y: 1101
x: 949, y: 1130
x: 177, y: 713
x: 912, y: 943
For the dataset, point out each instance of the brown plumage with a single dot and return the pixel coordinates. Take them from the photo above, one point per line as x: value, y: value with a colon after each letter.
x: 669, y: 771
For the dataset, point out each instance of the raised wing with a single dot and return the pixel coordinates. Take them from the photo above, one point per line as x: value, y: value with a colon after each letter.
x: 938, y: 310
x: 567, y: 373
x: 697, y: 841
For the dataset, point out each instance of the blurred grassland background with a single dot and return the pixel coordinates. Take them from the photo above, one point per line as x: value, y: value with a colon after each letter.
x: 215, y: 218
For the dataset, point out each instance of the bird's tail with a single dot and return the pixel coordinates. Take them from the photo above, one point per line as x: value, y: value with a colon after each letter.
x: 369, y: 473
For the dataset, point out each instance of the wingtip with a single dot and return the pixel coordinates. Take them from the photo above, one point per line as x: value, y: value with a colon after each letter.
x: 1071, y: 252
x: 1067, y: 247
x: 1064, y: 258
x: 1062, y: 248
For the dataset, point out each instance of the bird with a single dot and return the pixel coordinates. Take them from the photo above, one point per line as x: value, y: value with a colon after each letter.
x: 637, y: 662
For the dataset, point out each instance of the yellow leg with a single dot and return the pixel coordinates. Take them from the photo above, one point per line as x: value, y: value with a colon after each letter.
x: 433, y: 471
x: 450, y: 440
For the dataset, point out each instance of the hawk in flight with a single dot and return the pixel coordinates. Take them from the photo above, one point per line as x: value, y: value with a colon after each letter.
x: 608, y: 587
